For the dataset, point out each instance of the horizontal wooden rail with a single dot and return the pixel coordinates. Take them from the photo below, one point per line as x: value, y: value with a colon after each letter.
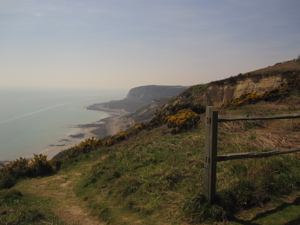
x: 211, y: 158
x: 247, y: 155
x: 260, y: 117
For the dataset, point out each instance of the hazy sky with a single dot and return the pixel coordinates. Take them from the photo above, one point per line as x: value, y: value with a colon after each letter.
x: 129, y: 43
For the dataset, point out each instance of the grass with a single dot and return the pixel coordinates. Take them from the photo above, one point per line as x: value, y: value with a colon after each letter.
x: 279, y: 68
x: 157, y: 178
x: 56, y: 194
x: 138, y: 180
x: 17, y: 208
x: 280, y: 211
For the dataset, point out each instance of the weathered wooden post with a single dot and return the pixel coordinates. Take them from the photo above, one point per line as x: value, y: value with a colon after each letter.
x: 210, y: 156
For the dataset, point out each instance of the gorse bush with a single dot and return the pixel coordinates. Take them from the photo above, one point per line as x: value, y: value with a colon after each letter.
x: 18, y: 168
x: 40, y: 166
x: 22, y: 167
x: 247, y: 98
x: 116, y: 138
x: 184, y: 120
x: 124, y: 135
x: 85, y: 147
x: 160, y: 117
x: 136, y: 129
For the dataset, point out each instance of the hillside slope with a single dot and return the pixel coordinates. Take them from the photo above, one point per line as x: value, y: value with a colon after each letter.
x: 140, y: 104
x: 139, y: 97
x: 218, y: 93
x: 153, y: 176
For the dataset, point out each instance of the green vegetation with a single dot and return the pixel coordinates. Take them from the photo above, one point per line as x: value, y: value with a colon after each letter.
x: 20, y: 168
x: 184, y: 120
x: 19, y: 209
x: 195, y: 89
x: 282, y: 67
x: 148, y: 179
x: 159, y: 175
x: 152, y: 173
x: 154, y: 176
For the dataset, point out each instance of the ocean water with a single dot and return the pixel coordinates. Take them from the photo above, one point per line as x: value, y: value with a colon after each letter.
x: 33, y: 119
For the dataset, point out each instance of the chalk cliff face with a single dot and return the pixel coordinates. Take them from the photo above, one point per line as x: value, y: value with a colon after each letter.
x: 150, y: 92
x: 142, y: 103
x: 220, y: 92
x: 140, y: 96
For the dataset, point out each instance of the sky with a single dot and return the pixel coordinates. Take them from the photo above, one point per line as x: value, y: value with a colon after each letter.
x: 130, y: 43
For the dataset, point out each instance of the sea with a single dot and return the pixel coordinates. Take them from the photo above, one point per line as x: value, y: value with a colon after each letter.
x: 32, y: 120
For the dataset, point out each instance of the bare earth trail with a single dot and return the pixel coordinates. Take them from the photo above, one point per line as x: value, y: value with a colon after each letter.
x: 59, y: 189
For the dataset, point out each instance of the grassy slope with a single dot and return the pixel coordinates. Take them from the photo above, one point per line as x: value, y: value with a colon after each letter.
x: 52, y: 197
x: 293, y: 65
x: 154, y: 177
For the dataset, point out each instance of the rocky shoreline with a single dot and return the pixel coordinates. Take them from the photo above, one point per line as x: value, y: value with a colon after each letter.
x: 99, y: 129
x: 107, y: 126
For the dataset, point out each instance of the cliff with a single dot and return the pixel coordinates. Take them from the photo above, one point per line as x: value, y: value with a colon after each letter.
x: 131, y: 177
x: 220, y: 92
x: 139, y: 97
x: 139, y: 106
x: 142, y: 103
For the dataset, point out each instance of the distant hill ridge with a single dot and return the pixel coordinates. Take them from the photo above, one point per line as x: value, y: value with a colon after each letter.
x: 143, y: 103
x: 139, y: 97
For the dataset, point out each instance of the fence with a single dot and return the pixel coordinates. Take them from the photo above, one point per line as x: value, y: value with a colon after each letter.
x: 211, y: 158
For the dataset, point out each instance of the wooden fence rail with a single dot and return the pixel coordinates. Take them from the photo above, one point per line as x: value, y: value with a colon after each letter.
x: 210, y: 155
x: 247, y: 155
x: 261, y: 117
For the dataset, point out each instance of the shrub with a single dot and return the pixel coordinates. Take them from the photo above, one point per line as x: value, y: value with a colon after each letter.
x: 136, y: 129
x: 247, y: 98
x: 290, y: 88
x: 40, y: 166
x: 85, y: 146
x: 161, y: 116
x: 116, y: 139
x: 185, y: 119
x: 18, y: 168
x: 7, y: 181
x: 22, y: 167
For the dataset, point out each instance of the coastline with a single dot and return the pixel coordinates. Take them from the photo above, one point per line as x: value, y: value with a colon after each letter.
x: 99, y: 129
x: 109, y: 125
x: 74, y: 137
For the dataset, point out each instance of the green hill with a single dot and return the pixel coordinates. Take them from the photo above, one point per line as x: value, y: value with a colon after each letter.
x: 139, y: 97
x: 153, y: 173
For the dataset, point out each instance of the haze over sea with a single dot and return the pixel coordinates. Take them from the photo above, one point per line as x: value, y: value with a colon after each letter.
x: 33, y: 119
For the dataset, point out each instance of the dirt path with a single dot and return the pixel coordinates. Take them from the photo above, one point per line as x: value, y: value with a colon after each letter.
x: 62, y: 199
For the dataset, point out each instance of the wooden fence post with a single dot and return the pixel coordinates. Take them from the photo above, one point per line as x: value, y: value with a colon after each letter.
x: 210, y: 156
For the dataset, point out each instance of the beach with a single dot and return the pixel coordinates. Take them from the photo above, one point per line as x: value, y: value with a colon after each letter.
x: 105, y: 127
